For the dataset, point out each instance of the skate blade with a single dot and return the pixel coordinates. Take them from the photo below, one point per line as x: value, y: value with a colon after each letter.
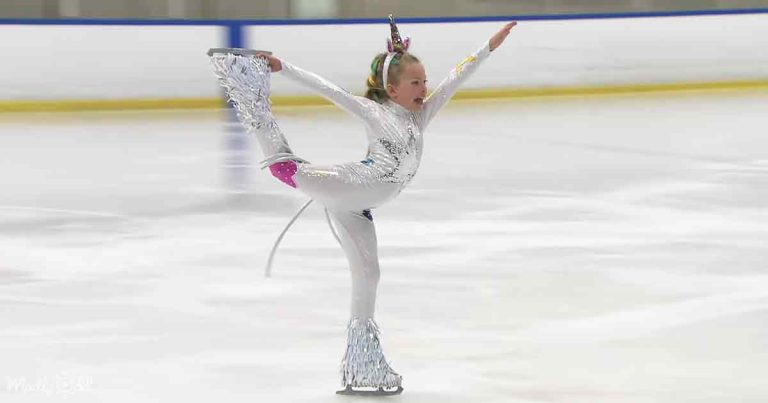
x: 236, y: 51
x: 348, y: 391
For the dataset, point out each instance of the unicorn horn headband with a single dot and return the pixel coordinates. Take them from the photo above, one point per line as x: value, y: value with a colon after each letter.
x: 395, y: 46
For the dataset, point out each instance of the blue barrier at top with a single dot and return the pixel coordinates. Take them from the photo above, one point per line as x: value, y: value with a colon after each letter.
x: 336, y: 21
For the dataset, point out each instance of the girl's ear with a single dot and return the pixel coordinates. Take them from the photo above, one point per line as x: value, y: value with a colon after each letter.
x: 391, y: 91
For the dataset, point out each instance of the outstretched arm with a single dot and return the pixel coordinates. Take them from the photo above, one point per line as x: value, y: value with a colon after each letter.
x: 353, y: 104
x: 445, y: 90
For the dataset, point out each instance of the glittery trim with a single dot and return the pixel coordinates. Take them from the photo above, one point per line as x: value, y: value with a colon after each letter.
x: 246, y: 81
x: 364, y: 364
x: 469, y: 59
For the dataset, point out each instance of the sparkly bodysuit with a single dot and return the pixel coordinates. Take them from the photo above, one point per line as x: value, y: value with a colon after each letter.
x: 395, y: 142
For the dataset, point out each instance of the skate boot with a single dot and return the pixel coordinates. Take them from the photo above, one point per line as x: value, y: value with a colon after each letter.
x: 364, y: 370
x: 246, y: 79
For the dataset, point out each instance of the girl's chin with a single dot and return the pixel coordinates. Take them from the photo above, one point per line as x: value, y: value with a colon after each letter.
x: 412, y: 106
x: 416, y: 105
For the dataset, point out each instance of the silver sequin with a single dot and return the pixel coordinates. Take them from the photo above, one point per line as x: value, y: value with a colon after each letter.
x: 364, y: 364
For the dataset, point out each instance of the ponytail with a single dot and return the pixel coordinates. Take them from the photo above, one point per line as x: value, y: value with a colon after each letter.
x: 375, y: 86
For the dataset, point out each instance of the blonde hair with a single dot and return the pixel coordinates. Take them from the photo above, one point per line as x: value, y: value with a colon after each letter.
x: 375, y: 81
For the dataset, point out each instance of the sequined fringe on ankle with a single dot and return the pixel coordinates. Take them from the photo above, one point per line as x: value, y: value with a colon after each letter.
x: 246, y: 80
x: 364, y: 364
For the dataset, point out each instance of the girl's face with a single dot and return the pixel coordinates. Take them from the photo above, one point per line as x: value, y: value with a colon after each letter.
x: 411, y: 90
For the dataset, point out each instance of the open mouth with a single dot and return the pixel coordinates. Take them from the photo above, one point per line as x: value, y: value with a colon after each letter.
x: 419, y: 101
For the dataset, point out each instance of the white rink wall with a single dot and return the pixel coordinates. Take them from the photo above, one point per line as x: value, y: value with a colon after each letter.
x: 50, y: 62
x: 71, y: 62
x: 540, y: 54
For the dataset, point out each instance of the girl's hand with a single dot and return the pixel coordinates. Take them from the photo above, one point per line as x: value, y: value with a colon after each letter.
x: 274, y: 63
x: 498, y: 38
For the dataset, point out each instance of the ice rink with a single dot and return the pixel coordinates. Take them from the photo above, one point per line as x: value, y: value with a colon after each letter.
x: 572, y: 249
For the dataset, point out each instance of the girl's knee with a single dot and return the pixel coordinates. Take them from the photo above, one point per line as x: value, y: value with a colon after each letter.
x: 373, y: 274
x: 284, y: 171
x: 366, y: 272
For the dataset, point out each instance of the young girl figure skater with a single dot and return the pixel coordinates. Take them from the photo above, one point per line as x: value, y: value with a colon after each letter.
x: 395, y: 111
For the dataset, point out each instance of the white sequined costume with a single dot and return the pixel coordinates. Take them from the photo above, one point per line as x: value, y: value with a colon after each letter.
x: 348, y: 190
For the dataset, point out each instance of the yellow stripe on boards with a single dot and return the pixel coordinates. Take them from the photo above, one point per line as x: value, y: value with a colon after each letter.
x: 310, y: 100
x: 110, y: 104
x: 609, y: 90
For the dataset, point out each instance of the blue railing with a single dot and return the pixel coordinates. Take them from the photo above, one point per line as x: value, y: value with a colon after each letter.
x: 337, y: 21
x: 236, y: 32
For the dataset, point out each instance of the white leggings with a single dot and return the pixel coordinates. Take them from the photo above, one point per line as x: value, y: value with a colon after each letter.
x: 358, y: 239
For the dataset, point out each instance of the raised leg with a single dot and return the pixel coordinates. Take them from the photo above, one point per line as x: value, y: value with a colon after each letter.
x: 246, y: 80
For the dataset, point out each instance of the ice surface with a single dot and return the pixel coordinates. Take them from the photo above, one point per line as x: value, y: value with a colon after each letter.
x: 607, y: 249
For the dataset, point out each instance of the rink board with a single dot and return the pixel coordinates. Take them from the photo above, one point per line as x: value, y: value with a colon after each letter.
x: 115, y: 64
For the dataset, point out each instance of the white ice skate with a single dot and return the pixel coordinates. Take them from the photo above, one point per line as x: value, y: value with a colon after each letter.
x: 364, y: 370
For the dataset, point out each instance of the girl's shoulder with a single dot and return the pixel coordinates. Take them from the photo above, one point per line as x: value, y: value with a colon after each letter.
x: 375, y: 108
